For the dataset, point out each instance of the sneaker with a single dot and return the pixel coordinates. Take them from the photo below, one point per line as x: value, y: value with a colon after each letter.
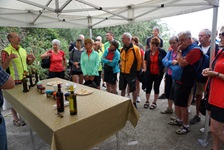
x: 203, y: 130
x: 189, y: 110
x: 138, y: 99
x: 167, y: 111
x: 163, y: 96
x: 195, y: 120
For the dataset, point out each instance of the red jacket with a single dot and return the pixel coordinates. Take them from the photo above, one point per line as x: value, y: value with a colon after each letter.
x: 216, y: 94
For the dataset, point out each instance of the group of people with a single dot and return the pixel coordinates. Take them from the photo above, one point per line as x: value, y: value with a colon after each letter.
x: 182, y: 81
x: 90, y: 60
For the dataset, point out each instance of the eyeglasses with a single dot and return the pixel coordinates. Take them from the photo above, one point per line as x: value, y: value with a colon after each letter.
x: 97, y: 39
x: 221, y: 34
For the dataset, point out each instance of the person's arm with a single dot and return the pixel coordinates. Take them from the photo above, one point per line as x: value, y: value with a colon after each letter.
x: 139, y: 59
x: 115, y: 60
x: 9, y: 84
x: 64, y: 60
x: 30, y: 59
x: 166, y: 60
x: 209, y: 73
x: 46, y: 54
x: 6, y: 81
x: 6, y: 59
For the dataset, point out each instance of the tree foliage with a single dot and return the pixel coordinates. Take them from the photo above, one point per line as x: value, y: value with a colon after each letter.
x: 38, y: 40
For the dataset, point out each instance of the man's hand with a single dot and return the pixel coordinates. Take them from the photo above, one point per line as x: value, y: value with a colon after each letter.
x: 30, y: 57
x: 174, y: 62
x: 86, y: 77
x: 12, y: 56
x: 91, y: 78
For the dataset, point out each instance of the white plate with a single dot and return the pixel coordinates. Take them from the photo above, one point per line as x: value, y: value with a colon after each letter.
x: 67, y: 86
x: 54, y: 83
x: 83, y: 92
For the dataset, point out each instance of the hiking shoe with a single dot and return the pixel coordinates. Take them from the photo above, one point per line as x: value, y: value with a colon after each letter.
x: 195, y: 120
x: 175, y: 123
x: 163, y: 96
x: 182, y: 130
x: 138, y: 99
x: 167, y: 111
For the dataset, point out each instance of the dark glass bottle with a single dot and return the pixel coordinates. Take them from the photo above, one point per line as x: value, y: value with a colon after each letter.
x: 60, y: 99
x: 25, y: 83
x: 72, y: 101
x: 32, y: 83
x: 36, y: 76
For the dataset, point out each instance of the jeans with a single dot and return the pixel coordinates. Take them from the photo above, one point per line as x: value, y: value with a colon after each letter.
x: 3, y: 137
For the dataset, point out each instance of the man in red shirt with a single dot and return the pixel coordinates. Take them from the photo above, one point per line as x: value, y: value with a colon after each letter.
x: 188, y: 55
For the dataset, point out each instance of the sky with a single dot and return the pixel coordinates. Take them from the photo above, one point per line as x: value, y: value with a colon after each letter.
x: 195, y: 22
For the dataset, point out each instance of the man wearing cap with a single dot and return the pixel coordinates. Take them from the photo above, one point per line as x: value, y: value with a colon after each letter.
x: 111, y: 58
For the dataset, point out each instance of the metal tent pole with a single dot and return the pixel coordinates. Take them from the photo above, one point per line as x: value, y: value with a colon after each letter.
x: 204, y: 141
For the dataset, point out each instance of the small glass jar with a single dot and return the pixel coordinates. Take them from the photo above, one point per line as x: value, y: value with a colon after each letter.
x: 54, y: 95
x: 66, y: 96
x: 49, y: 93
x: 42, y: 90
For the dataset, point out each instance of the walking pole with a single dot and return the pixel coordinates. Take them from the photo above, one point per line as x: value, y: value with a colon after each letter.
x: 204, y: 142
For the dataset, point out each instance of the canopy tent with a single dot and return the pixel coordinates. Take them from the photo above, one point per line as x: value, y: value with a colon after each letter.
x: 92, y: 13
x: 100, y: 13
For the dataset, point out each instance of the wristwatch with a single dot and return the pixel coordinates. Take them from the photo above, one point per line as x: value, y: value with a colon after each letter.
x: 180, y: 51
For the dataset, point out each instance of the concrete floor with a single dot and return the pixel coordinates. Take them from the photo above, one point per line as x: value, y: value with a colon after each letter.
x: 151, y: 133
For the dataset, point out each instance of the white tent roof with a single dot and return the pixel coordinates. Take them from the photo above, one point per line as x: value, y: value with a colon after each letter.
x: 92, y: 13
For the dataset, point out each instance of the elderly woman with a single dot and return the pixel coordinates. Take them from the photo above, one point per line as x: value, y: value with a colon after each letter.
x: 168, y: 62
x: 58, y: 61
x: 216, y: 96
x: 110, y: 59
x: 90, y: 62
x: 154, y: 70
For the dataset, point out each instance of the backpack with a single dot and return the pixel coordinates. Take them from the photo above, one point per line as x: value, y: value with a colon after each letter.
x: 202, y: 64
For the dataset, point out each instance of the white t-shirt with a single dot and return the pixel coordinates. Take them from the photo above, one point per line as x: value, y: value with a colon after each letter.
x: 205, y: 49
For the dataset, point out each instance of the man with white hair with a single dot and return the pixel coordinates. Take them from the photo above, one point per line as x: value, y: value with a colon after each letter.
x: 184, y: 76
x: 205, y: 44
x: 73, y: 45
x: 130, y: 65
x: 155, y: 33
x: 99, y: 38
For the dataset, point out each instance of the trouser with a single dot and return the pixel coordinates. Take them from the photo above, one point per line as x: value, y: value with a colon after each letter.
x: 3, y: 137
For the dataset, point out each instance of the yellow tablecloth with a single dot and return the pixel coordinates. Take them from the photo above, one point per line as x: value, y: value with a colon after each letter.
x: 100, y: 115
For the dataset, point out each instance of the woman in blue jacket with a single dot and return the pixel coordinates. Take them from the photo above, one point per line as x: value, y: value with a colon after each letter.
x: 110, y: 59
x: 168, y: 61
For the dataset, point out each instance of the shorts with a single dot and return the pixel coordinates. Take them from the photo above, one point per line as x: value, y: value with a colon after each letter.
x: 76, y: 73
x: 217, y: 113
x: 200, y: 88
x: 168, y: 86
x: 110, y: 77
x: 127, y: 79
x: 3, y: 137
x: 97, y: 79
x: 172, y: 92
x: 181, y: 94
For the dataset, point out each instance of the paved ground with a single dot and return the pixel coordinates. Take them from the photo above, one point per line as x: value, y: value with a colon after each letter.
x: 151, y: 133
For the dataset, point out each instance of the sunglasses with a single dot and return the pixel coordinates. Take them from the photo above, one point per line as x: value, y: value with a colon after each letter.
x: 221, y: 34
x: 97, y: 39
